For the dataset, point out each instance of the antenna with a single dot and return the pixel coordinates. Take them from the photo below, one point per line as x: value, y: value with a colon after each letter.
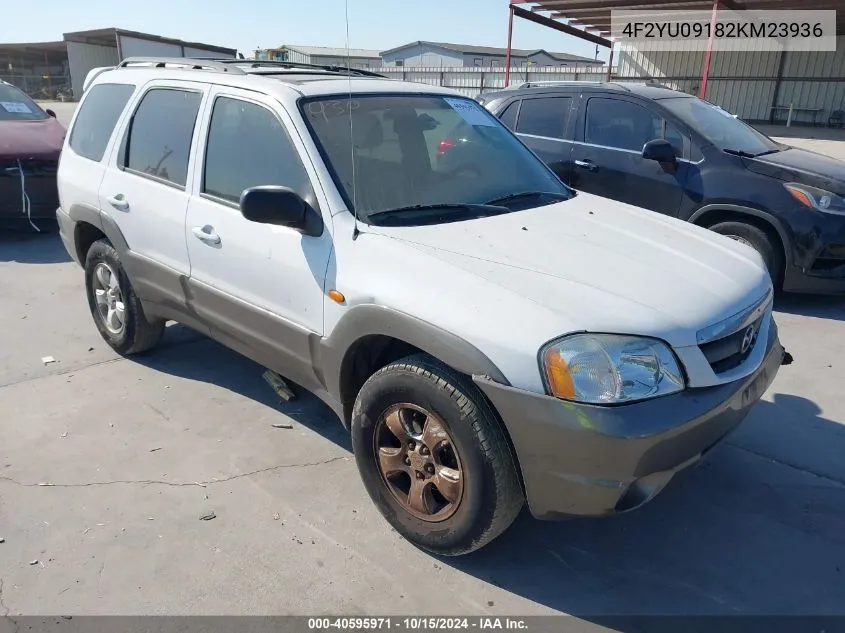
x: 355, y: 231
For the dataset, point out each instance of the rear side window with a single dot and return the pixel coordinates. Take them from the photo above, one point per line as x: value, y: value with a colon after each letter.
x: 508, y: 116
x: 248, y: 147
x: 546, y: 116
x: 158, y: 142
x: 621, y: 124
x: 98, y: 114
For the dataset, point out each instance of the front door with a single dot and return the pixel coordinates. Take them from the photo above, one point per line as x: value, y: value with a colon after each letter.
x: 259, y: 286
x: 607, y: 159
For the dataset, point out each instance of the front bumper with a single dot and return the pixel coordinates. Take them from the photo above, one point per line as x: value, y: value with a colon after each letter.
x: 818, y: 248
x: 588, y: 460
x: 67, y: 229
x: 41, y: 190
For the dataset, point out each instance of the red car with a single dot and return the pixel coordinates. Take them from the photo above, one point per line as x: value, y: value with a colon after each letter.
x: 30, y: 143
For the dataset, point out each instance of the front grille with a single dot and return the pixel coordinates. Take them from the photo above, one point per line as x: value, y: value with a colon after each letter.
x: 31, y: 168
x: 731, y: 351
x: 40, y: 185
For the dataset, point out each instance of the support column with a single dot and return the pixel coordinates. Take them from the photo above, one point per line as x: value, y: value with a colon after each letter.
x: 510, y: 41
x: 705, y: 73
x: 610, y: 65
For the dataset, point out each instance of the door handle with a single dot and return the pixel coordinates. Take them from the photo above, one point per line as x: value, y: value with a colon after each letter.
x: 206, y: 233
x: 118, y: 201
x: 586, y: 164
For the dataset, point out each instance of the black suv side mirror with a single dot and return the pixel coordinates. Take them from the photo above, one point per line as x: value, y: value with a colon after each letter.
x: 273, y: 204
x: 660, y: 150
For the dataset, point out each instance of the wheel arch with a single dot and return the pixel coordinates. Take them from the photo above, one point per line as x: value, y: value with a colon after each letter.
x: 368, y: 337
x: 713, y: 214
x: 90, y: 225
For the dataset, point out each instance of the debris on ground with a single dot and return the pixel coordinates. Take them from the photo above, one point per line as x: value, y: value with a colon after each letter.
x: 276, y: 517
x: 157, y: 448
x: 48, y: 359
x: 208, y: 516
x: 90, y: 349
x: 2, y: 540
x: 64, y: 434
x: 33, y: 562
x: 279, y: 385
x: 282, y: 425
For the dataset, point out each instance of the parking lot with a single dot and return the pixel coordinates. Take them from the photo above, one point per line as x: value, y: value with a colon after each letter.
x: 107, y: 465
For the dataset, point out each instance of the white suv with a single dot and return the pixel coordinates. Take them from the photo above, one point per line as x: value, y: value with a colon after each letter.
x: 488, y: 335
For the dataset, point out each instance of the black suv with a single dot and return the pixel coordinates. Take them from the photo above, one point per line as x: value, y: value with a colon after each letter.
x: 675, y: 154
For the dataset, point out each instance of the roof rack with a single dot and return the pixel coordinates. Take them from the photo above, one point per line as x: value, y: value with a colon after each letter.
x: 237, y: 66
x: 191, y: 63
x: 560, y: 82
x: 272, y: 63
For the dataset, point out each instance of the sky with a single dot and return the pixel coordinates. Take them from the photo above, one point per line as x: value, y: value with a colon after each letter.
x: 250, y: 24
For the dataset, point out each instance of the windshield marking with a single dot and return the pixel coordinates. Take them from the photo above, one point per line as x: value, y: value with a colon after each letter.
x: 16, y: 107
x: 325, y: 109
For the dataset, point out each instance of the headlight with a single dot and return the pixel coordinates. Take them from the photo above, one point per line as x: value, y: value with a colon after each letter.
x: 815, y: 198
x: 610, y: 368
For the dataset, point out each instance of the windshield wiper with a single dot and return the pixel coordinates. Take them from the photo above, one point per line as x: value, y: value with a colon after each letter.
x: 769, y: 151
x: 475, y: 209
x: 528, y: 195
x: 739, y: 152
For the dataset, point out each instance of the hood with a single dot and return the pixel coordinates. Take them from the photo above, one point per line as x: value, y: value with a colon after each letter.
x: 803, y: 166
x: 602, y: 265
x: 31, y: 140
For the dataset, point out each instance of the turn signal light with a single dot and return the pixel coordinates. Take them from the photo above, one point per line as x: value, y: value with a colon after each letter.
x: 558, y: 374
x: 336, y: 296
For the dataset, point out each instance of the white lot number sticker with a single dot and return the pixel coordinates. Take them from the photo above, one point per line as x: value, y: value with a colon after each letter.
x: 15, y: 106
x: 470, y: 111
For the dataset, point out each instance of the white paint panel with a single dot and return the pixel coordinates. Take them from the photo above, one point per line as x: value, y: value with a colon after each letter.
x: 136, y: 47
x: 82, y: 58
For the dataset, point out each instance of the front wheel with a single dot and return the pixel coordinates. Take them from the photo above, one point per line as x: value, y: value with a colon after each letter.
x: 434, y: 457
x: 757, y: 239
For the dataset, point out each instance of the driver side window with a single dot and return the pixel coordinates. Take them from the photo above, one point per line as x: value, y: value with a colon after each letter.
x: 626, y: 125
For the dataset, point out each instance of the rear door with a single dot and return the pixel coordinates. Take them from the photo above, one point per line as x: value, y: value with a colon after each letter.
x: 607, y: 154
x: 145, y: 187
x: 543, y: 123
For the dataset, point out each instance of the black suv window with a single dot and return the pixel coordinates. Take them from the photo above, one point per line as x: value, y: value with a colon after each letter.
x: 544, y: 116
x: 508, y: 115
x: 247, y: 147
x: 98, y: 114
x: 158, y: 143
x: 622, y: 124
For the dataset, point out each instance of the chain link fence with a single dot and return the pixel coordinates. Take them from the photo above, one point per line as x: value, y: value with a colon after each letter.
x: 41, y: 87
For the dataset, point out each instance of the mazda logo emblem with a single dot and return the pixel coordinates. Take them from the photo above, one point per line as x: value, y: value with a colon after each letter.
x: 748, y: 339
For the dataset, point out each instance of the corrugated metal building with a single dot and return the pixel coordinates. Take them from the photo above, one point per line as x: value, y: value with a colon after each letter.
x: 750, y: 83
x: 47, y: 69
x: 445, y: 55
x: 321, y: 56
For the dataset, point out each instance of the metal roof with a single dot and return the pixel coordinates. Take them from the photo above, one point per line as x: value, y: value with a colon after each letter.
x: 593, y: 16
x: 328, y: 51
x: 108, y: 37
x: 468, y: 49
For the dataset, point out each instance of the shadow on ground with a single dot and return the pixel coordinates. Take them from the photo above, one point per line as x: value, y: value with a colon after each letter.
x: 186, y: 354
x: 819, y: 306
x: 755, y: 529
x: 752, y: 530
x: 25, y: 246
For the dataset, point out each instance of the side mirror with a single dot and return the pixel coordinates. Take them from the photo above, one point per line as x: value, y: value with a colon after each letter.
x: 273, y: 204
x: 50, y: 113
x: 660, y: 150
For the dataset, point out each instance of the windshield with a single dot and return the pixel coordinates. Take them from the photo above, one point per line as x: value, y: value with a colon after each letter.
x: 421, y: 151
x: 16, y: 106
x: 719, y: 127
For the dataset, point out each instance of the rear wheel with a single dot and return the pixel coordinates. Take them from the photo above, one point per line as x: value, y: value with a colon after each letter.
x: 757, y: 239
x: 116, y: 309
x: 434, y: 457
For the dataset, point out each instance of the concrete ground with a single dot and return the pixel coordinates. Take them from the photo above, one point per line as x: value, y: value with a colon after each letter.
x: 107, y: 464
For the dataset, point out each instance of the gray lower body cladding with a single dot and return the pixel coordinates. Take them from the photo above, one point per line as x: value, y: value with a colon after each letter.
x: 583, y: 460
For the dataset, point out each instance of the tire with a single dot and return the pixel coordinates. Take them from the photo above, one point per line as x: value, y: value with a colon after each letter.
x: 490, y: 496
x: 137, y: 333
x: 758, y: 240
